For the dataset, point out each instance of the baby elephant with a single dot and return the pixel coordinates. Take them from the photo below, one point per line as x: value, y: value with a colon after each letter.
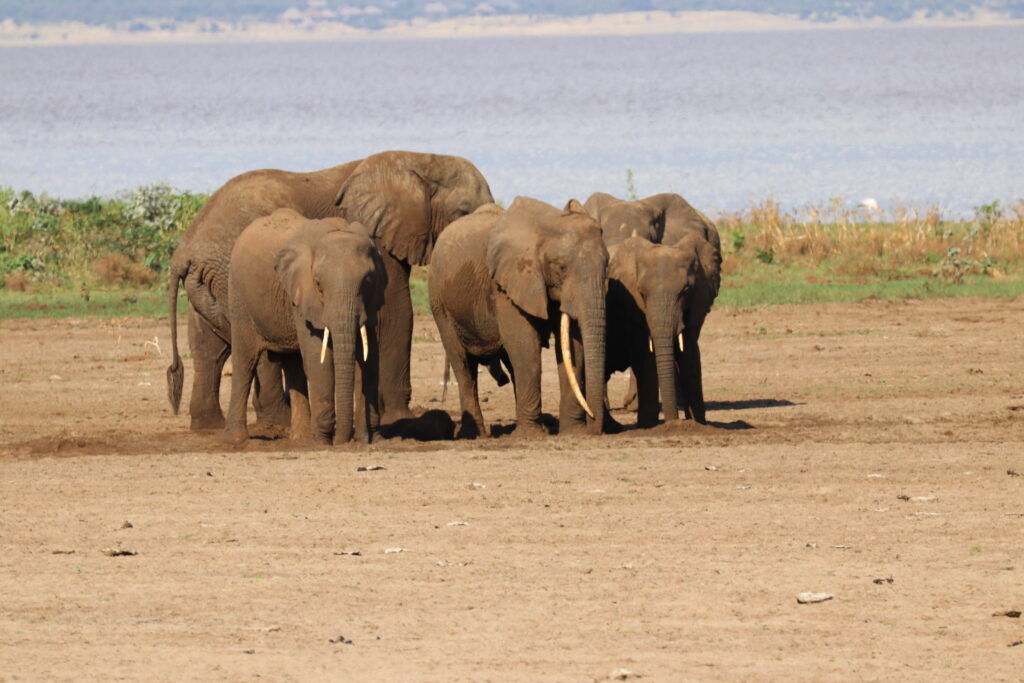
x: 299, y: 285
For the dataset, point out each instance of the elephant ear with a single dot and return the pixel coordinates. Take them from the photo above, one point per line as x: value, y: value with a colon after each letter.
x: 596, y: 202
x: 392, y: 199
x: 710, y: 258
x: 514, y: 262
x: 624, y: 263
x: 294, y: 267
x: 574, y: 206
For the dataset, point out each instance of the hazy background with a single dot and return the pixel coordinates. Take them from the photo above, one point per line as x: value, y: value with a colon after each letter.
x: 920, y: 115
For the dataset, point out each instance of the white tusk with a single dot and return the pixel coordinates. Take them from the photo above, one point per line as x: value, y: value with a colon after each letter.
x: 323, y: 349
x: 680, y: 341
x: 650, y: 345
x: 569, y: 372
x: 366, y: 344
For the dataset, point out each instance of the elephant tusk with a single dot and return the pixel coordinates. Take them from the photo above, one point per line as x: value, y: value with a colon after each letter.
x: 366, y: 344
x: 323, y: 349
x: 650, y: 345
x: 680, y: 341
x: 570, y: 373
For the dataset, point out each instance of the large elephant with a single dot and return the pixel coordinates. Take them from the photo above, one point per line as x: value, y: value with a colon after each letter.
x: 669, y: 219
x: 649, y: 289
x: 501, y: 283
x: 406, y: 199
x: 299, y: 286
x: 201, y: 263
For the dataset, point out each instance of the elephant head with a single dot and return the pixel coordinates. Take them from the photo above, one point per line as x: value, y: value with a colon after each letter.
x: 658, y: 282
x: 662, y: 218
x: 541, y: 257
x: 333, y: 276
x: 407, y: 198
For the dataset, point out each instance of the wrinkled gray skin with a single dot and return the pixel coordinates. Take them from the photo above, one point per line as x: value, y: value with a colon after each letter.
x: 499, y: 282
x: 405, y: 199
x: 291, y: 279
x: 669, y: 219
x: 201, y: 262
x: 649, y: 287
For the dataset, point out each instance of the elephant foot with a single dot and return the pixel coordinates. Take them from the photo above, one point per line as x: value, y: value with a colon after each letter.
x: 529, y: 430
x: 234, y: 436
x: 275, y: 418
x: 572, y: 427
x: 207, y: 422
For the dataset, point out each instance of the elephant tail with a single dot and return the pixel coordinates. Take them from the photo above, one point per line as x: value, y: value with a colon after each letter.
x: 176, y: 370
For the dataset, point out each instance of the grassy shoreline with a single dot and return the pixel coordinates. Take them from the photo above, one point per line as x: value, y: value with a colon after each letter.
x: 108, y: 257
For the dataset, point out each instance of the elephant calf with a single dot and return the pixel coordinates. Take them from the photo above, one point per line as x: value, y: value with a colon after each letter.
x: 501, y: 283
x: 303, y: 286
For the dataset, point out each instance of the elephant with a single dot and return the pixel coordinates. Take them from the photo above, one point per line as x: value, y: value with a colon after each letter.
x: 669, y: 219
x: 500, y: 284
x: 301, y: 286
x: 663, y: 218
x: 406, y: 199
x: 201, y: 263
x: 649, y: 289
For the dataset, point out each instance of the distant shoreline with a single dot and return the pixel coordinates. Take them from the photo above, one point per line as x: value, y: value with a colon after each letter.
x: 621, y: 24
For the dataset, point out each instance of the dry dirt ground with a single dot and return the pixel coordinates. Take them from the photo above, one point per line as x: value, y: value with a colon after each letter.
x: 871, y: 451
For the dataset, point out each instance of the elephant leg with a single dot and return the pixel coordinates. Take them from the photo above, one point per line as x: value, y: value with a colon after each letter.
x: 471, y: 424
x: 209, y: 353
x: 522, y: 344
x: 395, y: 323
x: 645, y: 379
x: 693, y: 381
x: 571, y: 418
x: 246, y: 354
x: 367, y: 400
x: 320, y: 383
x: 268, y: 399
x: 298, y: 397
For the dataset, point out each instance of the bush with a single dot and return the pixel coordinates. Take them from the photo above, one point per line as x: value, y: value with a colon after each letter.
x: 126, y: 239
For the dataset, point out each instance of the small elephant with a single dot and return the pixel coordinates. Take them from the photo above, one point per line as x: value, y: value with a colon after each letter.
x: 299, y: 285
x: 669, y: 219
x: 501, y: 283
x: 649, y: 289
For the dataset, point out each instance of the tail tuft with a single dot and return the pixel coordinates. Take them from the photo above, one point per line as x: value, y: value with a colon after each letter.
x: 175, y: 381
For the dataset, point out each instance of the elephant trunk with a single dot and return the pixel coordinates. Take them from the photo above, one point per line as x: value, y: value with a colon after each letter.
x: 344, y: 377
x: 592, y: 329
x: 665, y: 359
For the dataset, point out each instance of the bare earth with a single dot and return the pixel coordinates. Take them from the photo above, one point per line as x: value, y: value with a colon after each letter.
x: 871, y: 451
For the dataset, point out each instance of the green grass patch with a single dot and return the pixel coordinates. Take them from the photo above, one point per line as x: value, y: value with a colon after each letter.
x: 764, y: 285
x: 121, y: 303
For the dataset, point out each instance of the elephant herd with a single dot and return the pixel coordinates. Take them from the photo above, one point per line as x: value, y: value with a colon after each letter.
x: 307, y: 275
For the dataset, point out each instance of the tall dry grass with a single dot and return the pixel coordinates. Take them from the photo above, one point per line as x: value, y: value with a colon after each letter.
x: 859, y: 241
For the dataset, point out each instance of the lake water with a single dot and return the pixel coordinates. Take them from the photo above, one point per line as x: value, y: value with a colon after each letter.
x: 916, y: 115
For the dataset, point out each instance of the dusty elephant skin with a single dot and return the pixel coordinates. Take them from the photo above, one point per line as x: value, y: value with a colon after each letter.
x: 501, y: 284
x: 300, y: 285
x: 570, y: 557
x: 669, y: 219
x: 649, y: 290
x: 200, y: 264
x: 405, y: 199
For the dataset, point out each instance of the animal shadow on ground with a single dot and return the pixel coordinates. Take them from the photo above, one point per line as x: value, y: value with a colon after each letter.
x: 547, y: 420
x: 750, y: 403
x: 433, y: 425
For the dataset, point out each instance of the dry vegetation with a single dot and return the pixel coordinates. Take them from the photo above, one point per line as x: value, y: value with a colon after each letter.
x: 859, y: 241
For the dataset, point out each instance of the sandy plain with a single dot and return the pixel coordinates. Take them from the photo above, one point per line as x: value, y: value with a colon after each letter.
x: 870, y: 451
